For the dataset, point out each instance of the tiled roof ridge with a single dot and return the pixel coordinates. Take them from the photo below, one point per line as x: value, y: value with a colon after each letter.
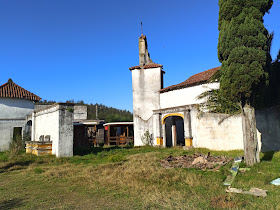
x: 12, y: 90
x: 146, y: 66
x: 193, y: 80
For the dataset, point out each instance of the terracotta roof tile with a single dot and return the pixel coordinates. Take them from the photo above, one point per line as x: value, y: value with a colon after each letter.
x: 193, y: 80
x: 147, y: 66
x: 12, y: 90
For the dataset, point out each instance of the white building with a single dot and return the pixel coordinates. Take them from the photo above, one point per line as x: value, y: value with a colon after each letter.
x: 50, y: 126
x: 15, y: 104
x: 171, y: 114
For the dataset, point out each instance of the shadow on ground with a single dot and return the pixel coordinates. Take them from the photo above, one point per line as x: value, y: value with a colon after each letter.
x: 16, y: 165
x: 81, y: 151
x: 268, y: 156
x: 11, y: 203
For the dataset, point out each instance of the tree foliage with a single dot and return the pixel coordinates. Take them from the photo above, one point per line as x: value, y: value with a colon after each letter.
x: 216, y: 103
x: 244, y: 53
x: 266, y: 95
x: 242, y: 48
x: 274, y: 84
x: 109, y: 114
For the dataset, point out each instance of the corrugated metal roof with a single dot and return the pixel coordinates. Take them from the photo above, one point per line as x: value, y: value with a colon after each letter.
x: 118, y: 123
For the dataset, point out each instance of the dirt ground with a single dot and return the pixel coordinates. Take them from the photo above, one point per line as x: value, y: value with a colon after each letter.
x: 200, y: 161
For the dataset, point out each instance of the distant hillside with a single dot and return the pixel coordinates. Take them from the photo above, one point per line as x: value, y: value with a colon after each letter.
x: 109, y: 114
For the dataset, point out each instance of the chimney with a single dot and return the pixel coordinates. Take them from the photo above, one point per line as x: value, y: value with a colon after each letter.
x: 144, y: 56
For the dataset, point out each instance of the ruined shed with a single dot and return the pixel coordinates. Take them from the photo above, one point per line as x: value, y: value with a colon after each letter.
x: 119, y: 133
x: 88, y: 133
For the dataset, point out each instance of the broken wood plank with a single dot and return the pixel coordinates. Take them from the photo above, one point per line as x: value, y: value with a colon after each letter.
x: 253, y: 191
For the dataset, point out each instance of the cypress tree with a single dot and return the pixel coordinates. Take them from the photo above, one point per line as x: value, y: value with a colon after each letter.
x: 242, y: 50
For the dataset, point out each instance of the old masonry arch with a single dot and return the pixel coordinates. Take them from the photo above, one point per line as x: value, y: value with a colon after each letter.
x: 174, y: 130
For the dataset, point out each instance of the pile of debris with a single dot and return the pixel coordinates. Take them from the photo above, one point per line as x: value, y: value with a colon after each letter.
x: 200, y: 161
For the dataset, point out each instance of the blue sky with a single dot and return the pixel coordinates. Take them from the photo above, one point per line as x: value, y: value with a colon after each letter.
x: 82, y: 49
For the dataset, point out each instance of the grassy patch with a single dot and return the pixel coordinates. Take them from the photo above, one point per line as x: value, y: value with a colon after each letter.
x: 125, y: 178
x: 38, y: 170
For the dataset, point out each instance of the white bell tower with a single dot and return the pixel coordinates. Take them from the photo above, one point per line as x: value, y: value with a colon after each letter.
x: 147, y: 80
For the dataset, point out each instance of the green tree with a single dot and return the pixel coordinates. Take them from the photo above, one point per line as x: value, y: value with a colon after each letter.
x: 274, y: 78
x: 242, y: 50
x: 109, y: 114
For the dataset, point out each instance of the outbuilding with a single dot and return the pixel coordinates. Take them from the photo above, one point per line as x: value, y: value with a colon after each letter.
x: 15, y: 104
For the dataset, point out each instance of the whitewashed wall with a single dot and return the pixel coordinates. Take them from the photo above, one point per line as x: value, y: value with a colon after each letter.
x: 14, y: 108
x: 57, y: 122
x: 12, y: 114
x: 208, y: 133
x: 185, y: 96
x: 6, y: 132
x: 46, y: 122
x: 146, y: 84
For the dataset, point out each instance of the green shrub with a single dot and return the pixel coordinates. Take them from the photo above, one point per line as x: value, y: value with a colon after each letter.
x: 146, y: 138
x: 26, y: 136
x: 70, y: 109
x: 115, y: 158
x: 16, y: 146
x: 38, y: 170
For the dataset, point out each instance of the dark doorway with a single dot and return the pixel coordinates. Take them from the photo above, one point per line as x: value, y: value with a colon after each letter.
x: 17, y: 132
x: 174, y: 128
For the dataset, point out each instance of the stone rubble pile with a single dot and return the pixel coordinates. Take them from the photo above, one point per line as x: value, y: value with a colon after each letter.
x: 200, y: 161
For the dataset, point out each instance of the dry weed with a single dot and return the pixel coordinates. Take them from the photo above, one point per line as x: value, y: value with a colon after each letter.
x: 142, y: 176
x: 66, y: 170
x: 223, y: 202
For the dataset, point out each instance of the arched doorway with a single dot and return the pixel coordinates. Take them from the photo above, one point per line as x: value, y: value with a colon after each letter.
x: 28, y: 126
x: 174, y: 128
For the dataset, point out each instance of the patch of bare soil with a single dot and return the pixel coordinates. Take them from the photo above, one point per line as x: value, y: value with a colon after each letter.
x: 223, y: 202
x: 200, y: 161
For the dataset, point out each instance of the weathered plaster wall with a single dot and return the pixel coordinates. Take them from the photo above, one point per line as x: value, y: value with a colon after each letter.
x: 208, y: 133
x: 6, y: 132
x: 14, y: 108
x: 185, y: 96
x: 229, y: 135
x: 12, y: 114
x: 146, y: 84
x: 66, y: 134
x: 41, y: 106
x: 57, y: 122
x: 80, y: 113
